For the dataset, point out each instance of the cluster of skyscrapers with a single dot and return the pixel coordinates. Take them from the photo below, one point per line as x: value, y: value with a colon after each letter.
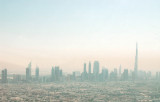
x: 95, y: 75
x: 4, y: 76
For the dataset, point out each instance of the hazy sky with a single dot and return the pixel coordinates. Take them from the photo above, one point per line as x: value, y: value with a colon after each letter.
x: 68, y: 33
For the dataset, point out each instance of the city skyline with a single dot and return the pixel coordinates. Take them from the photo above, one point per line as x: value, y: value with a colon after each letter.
x: 92, y: 75
x: 80, y: 50
x: 94, y: 69
x: 59, y: 33
x: 133, y: 68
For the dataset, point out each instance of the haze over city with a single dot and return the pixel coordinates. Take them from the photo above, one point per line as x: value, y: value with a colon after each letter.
x: 69, y: 33
x: 79, y: 50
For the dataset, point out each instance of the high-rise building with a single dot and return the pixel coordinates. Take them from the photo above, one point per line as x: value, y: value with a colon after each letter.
x: 84, y: 70
x: 4, y: 76
x: 37, y: 73
x: 96, y: 70
x: 115, y: 71
x: 104, y: 74
x: 89, y: 71
x: 60, y: 73
x: 57, y: 73
x: 52, y: 74
x: 29, y: 67
x: 84, y: 74
x: 89, y: 68
x: 136, y: 63
x: 125, y: 74
x: 28, y: 72
x: 120, y: 70
x: 16, y: 78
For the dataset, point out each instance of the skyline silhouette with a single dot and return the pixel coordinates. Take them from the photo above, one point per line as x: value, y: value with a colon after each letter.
x: 61, y: 32
x: 134, y: 67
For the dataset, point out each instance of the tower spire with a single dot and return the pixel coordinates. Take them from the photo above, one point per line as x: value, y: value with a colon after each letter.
x: 136, y: 62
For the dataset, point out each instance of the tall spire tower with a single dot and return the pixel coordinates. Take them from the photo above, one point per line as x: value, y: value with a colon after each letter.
x: 136, y: 62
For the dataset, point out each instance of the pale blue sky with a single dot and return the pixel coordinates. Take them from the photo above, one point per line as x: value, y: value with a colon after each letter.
x: 63, y: 31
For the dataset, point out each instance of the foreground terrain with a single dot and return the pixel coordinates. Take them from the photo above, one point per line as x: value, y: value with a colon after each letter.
x: 147, y: 91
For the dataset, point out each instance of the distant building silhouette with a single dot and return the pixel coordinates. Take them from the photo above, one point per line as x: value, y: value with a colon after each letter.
x: 115, y: 73
x: 37, y: 73
x: 52, y: 74
x: 89, y: 72
x: 120, y: 71
x: 89, y: 68
x: 4, y: 76
x: 96, y: 70
x: 104, y: 74
x: 125, y: 74
x: 84, y: 75
x: 84, y: 71
x: 136, y: 63
x: 28, y: 72
x: 57, y: 73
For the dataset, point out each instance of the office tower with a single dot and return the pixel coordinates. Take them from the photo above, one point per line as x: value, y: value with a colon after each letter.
x: 149, y: 75
x: 27, y: 74
x: 104, y: 74
x: 136, y: 63
x: 115, y: 73
x: 73, y: 76
x: 60, y: 73
x: 37, y: 73
x: 16, y: 78
x: 125, y: 74
x: 89, y: 71
x: 120, y: 70
x: 84, y: 74
x: 29, y: 67
x: 112, y: 76
x: 57, y: 74
x: 89, y: 68
x: 4, y: 76
x: 96, y: 70
x: 84, y: 70
x: 52, y: 74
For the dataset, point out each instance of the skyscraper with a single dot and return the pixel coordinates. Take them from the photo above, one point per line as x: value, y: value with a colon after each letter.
x: 29, y: 66
x: 89, y: 71
x: 115, y: 73
x: 84, y: 70
x: 52, y: 74
x: 89, y: 68
x: 104, y: 74
x: 37, y: 73
x: 28, y: 72
x: 4, y: 76
x: 57, y: 73
x: 125, y: 74
x: 119, y: 70
x: 136, y: 63
x: 96, y: 70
